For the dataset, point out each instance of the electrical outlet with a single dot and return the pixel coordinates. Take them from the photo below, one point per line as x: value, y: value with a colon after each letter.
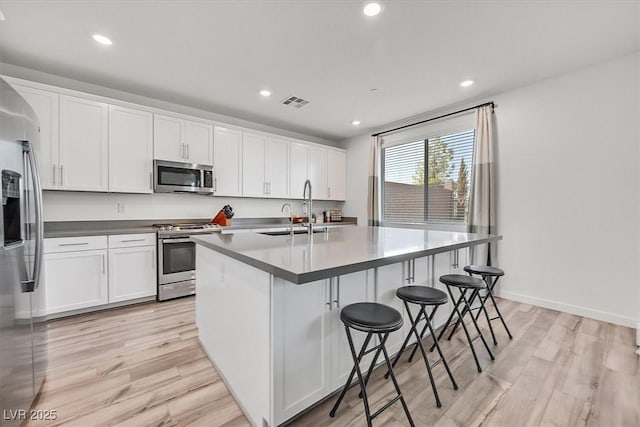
x: 121, y: 207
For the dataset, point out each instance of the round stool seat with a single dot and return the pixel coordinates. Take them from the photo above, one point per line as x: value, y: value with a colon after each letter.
x: 484, y: 270
x: 371, y: 317
x: 462, y: 281
x: 422, y: 295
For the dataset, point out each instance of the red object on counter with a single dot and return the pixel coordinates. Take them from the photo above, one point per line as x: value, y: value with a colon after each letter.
x: 221, y: 219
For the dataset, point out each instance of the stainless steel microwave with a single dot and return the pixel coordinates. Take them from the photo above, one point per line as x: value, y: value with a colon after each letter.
x: 175, y: 177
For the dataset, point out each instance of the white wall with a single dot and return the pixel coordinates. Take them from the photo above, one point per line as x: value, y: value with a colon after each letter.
x: 79, y: 206
x: 569, y: 191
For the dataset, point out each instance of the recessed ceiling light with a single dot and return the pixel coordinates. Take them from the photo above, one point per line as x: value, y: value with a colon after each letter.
x: 466, y: 83
x: 372, y: 9
x: 265, y: 92
x: 102, y: 39
x: 355, y: 122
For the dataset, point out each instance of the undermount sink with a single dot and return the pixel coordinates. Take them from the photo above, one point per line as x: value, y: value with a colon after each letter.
x: 284, y: 233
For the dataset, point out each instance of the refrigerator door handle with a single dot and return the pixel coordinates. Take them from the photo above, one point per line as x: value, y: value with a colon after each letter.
x: 27, y: 150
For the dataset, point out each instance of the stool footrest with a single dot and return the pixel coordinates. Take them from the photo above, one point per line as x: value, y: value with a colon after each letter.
x: 386, y: 406
x: 371, y: 350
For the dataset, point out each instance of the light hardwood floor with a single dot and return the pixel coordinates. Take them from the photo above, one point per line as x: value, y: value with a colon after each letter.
x: 142, y: 365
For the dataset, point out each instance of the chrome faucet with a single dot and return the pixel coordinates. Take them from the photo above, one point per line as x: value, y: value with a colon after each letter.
x: 307, y: 183
x: 287, y: 205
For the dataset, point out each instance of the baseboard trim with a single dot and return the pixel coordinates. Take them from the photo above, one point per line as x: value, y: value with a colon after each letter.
x: 574, y: 309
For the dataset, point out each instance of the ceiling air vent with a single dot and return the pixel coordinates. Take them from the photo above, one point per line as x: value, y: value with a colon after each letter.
x: 294, y: 101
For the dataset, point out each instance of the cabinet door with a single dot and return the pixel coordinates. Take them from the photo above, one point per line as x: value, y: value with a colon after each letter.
x: 130, y: 150
x: 298, y: 171
x: 198, y: 138
x: 75, y: 280
x: 300, y: 346
x: 318, y: 172
x: 349, y: 289
x: 168, y: 141
x: 227, y: 162
x: 388, y: 279
x: 337, y: 172
x: 45, y: 104
x: 132, y: 273
x: 441, y: 265
x: 277, y: 168
x: 253, y: 165
x: 83, y: 144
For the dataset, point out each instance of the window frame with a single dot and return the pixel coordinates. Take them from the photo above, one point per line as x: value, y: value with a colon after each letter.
x: 436, y: 225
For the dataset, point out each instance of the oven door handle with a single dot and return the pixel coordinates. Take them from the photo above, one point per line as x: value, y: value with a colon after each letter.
x: 166, y: 241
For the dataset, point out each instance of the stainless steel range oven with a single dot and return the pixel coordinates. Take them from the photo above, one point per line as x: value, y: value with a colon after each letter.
x: 177, y: 259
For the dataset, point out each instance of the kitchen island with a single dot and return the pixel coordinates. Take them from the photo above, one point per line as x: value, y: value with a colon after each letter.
x: 267, y: 307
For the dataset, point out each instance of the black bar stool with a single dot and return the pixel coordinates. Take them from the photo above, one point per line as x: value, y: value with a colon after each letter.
x: 423, y: 296
x: 490, y: 275
x: 465, y: 284
x: 371, y: 318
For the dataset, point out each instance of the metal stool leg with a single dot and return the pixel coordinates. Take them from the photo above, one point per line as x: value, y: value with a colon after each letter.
x: 448, y: 322
x: 473, y: 319
x: 424, y: 331
x: 356, y: 368
x: 444, y: 361
x: 472, y: 298
x: 371, y: 367
x: 490, y: 294
x: 397, y: 387
x: 464, y: 327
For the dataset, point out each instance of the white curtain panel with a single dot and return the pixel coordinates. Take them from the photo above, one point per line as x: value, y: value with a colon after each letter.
x: 482, y: 204
x: 373, y: 206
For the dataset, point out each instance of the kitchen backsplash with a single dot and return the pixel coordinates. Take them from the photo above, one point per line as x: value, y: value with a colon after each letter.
x: 71, y: 206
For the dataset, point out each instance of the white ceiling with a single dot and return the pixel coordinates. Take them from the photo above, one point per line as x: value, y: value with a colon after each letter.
x: 217, y: 55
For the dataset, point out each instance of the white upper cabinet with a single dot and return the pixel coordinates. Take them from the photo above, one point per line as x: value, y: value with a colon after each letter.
x: 83, y: 144
x: 277, y: 168
x: 253, y: 165
x: 337, y: 174
x: 168, y: 139
x: 199, y: 140
x: 130, y: 150
x: 318, y: 172
x: 227, y: 162
x: 299, y: 161
x: 45, y: 105
x: 265, y: 165
x: 181, y: 140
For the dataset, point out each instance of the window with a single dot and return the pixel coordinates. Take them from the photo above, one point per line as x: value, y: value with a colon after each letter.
x: 428, y: 180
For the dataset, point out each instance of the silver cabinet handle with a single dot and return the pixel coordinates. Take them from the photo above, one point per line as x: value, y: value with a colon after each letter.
x: 73, y: 244
x: 61, y: 175
x: 53, y: 168
x: 103, y: 266
x: 265, y: 189
x: 269, y: 188
x: 215, y: 185
x: 337, y: 300
x: 150, y: 180
x: 329, y: 303
x: 132, y: 240
x: 188, y: 152
x: 328, y: 191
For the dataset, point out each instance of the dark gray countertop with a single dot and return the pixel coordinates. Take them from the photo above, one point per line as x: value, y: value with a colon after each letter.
x: 340, y: 251
x: 101, y: 228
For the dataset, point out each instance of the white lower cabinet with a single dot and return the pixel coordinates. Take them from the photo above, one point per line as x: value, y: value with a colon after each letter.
x: 91, y: 271
x: 388, y: 279
x: 132, y: 273
x: 75, y: 280
x: 311, y: 352
x: 301, y: 348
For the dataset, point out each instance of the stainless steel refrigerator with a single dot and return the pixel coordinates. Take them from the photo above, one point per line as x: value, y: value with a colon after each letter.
x: 23, y: 329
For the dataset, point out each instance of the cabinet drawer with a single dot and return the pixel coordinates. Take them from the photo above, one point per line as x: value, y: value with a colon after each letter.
x: 73, y: 244
x: 130, y: 240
